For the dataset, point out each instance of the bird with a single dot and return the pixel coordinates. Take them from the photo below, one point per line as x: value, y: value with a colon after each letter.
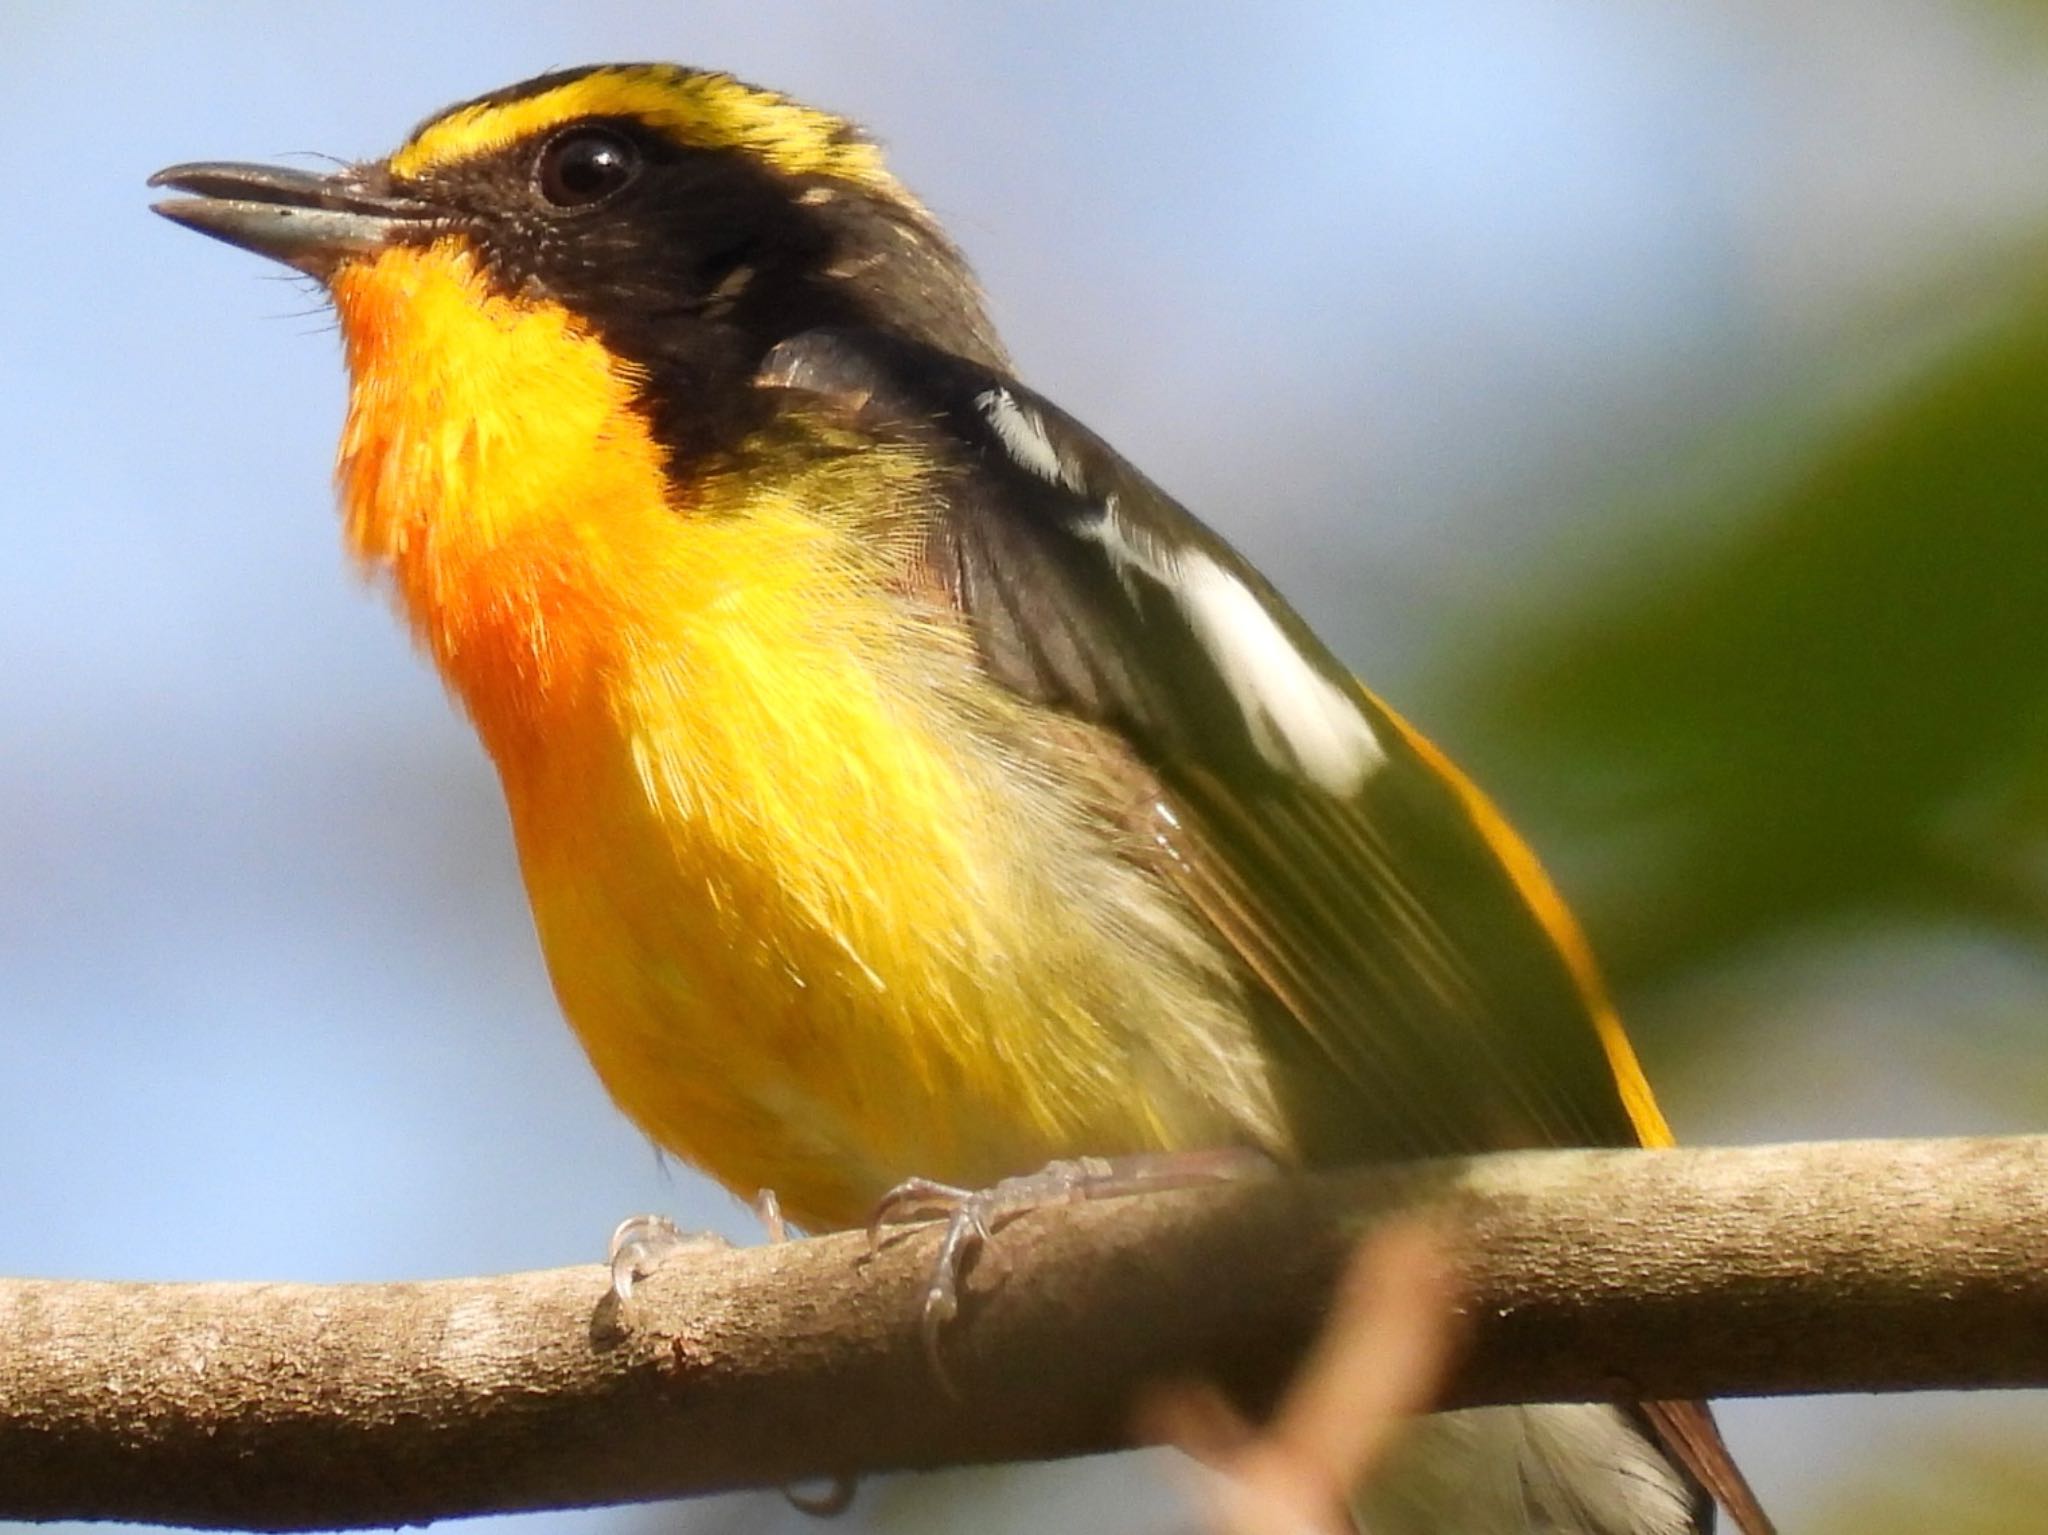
x: 905, y: 786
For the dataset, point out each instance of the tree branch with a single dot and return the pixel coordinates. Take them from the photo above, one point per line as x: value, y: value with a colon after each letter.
x: 1863, y: 1266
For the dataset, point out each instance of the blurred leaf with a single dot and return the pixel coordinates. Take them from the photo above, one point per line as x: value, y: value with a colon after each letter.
x: 1840, y: 709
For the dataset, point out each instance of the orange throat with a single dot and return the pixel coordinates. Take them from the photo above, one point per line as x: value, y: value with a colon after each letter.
x: 495, y: 464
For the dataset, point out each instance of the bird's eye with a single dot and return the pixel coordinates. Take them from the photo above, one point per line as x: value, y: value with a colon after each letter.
x: 583, y: 167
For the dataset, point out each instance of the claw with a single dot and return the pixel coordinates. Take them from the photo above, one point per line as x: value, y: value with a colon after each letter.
x: 973, y: 1216
x: 642, y: 1243
x: 835, y: 1500
x: 913, y: 1200
x: 768, y: 1211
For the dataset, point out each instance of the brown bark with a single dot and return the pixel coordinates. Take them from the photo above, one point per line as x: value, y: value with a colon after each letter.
x: 1863, y: 1266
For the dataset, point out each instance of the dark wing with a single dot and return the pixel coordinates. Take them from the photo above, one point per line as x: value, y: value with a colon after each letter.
x: 1422, y: 989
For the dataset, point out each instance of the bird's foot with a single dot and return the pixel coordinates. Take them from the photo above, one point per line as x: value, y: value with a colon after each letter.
x: 973, y: 1216
x: 643, y: 1243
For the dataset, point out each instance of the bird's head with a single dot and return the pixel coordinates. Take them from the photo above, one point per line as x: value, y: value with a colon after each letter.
x: 683, y: 219
x: 555, y: 302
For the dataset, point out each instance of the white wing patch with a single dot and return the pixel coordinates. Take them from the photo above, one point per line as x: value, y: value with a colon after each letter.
x: 1023, y: 435
x: 1298, y: 717
x: 1300, y: 721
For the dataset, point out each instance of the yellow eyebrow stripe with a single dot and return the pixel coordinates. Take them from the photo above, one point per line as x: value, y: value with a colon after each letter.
x: 704, y: 111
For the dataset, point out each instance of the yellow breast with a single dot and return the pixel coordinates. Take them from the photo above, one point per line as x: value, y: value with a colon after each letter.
x: 820, y: 916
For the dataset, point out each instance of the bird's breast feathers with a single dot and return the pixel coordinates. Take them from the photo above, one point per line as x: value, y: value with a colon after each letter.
x: 828, y: 906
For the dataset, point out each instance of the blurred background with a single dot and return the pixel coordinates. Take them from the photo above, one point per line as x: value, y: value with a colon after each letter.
x: 1651, y: 400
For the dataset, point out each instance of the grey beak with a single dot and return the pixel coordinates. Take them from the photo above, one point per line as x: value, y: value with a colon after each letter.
x: 310, y: 222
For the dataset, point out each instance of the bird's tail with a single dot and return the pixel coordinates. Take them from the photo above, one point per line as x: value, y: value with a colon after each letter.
x: 1582, y: 1469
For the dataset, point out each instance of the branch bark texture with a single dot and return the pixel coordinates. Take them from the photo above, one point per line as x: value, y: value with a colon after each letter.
x: 1856, y: 1266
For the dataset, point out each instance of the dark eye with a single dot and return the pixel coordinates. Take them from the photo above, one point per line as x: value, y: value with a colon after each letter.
x: 583, y: 167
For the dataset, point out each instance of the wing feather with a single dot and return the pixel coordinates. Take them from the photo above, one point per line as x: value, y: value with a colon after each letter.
x: 1406, y: 974
x: 1418, y: 983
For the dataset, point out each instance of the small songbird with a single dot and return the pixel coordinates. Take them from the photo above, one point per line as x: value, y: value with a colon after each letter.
x: 905, y: 786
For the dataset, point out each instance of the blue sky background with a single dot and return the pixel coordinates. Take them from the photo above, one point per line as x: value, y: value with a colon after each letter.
x: 1392, y: 294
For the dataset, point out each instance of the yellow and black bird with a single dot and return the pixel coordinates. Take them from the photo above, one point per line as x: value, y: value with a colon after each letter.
x: 905, y: 786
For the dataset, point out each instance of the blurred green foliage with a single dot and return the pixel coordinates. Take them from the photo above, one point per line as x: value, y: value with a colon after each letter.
x: 1813, y: 707
x: 1838, y: 708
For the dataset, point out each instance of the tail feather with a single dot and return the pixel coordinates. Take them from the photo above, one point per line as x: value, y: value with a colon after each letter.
x: 1689, y: 1432
x: 1584, y: 1469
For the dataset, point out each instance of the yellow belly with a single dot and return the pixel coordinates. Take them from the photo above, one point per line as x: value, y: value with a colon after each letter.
x: 869, y: 967
x: 821, y: 909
